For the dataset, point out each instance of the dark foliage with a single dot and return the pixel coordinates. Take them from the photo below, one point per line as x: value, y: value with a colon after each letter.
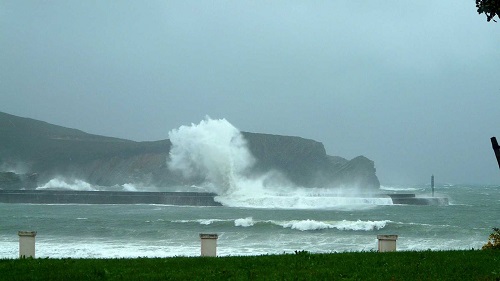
x: 490, y: 8
x: 494, y: 240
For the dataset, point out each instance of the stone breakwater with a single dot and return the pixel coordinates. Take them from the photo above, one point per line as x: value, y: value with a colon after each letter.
x: 107, y: 197
x: 162, y: 198
x: 411, y: 199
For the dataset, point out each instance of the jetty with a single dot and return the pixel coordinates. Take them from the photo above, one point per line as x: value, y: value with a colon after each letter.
x: 412, y: 199
x: 161, y: 198
x: 108, y: 197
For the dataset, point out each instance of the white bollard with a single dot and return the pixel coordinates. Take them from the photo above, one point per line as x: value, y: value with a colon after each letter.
x: 387, y: 243
x: 208, y: 245
x: 26, y: 244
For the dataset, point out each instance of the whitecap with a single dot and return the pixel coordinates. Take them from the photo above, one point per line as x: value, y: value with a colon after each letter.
x: 359, y: 225
x: 246, y: 222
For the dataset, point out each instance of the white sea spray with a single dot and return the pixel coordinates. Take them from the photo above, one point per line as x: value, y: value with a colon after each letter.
x: 215, y: 151
x: 245, y: 222
x: 60, y: 183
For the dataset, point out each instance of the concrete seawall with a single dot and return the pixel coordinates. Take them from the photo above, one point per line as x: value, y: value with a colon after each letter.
x: 107, y: 197
x: 163, y: 198
x: 411, y: 199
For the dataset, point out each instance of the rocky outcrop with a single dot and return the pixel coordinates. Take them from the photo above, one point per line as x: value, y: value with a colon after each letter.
x: 51, y: 151
x: 306, y: 163
x: 11, y: 180
x: 358, y: 172
x: 299, y: 159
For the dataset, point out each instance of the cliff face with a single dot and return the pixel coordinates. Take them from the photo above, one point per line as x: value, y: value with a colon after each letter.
x: 358, y: 172
x: 51, y: 151
x: 306, y: 163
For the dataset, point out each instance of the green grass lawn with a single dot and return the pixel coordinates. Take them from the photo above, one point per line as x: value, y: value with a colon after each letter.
x: 427, y: 265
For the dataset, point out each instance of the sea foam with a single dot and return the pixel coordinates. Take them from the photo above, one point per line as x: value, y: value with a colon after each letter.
x: 306, y: 225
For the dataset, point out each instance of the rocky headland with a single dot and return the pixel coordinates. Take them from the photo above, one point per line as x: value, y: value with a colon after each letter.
x: 36, y: 151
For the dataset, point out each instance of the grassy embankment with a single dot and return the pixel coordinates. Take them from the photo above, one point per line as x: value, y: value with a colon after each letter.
x: 427, y: 265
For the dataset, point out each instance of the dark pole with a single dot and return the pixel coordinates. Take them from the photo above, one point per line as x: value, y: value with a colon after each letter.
x: 432, y: 185
x: 496, y: 148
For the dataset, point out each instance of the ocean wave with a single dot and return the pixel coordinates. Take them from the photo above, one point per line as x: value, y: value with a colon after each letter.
x: 426, y: 224
x: 298, y: 201
x: 217, y: 151
x: 129, y: 187
x: 246, y: 222
x: 359, y: 225
x: 302, y: 225
x: 200, y: 221
x: 58, y: 183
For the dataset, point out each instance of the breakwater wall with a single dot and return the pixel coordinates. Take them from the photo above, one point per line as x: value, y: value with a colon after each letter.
x: 107, y: 197
x: 163, y: 198
x: 411, y: 199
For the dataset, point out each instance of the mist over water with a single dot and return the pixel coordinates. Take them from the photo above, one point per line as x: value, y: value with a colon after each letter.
x: 216, y: 152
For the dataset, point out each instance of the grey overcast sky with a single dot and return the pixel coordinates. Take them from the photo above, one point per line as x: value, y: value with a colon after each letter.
x: 412, y: 85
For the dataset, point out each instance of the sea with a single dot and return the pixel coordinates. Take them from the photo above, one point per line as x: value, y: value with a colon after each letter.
x: 306, y: 221
x: 262, y: 213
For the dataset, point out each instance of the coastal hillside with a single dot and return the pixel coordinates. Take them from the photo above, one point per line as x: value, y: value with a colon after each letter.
x: 33, y: 150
